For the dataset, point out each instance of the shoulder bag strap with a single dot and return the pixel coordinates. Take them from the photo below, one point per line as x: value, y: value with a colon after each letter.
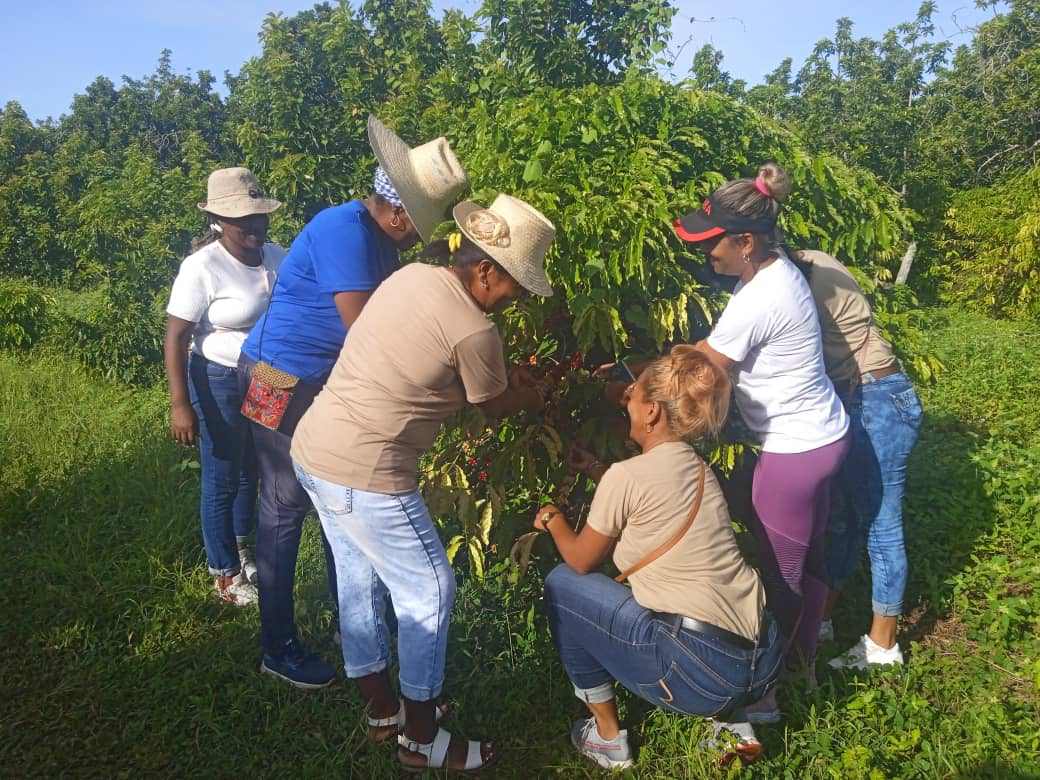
x: 653, y: 556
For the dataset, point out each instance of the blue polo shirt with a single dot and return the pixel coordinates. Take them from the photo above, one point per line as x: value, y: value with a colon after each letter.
x: 340, y: 250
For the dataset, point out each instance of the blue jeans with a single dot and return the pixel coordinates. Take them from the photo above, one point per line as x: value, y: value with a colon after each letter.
x: 387, y: 546
x: 885, y: 417
x: 603, y: 635
x: 284, y: 505
x: 229, y: 483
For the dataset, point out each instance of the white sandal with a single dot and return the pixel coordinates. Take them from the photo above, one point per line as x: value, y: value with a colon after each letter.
x: 397, y: 720
x: 436, y: 753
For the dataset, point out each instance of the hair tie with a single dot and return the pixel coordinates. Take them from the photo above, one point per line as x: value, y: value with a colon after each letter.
x: 761, y: 186
x: 454, y: 242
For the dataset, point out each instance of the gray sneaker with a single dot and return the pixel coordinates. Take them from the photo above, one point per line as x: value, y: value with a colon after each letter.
x: 248, y: 564
x: 238, y: 592
x: 608, y: 753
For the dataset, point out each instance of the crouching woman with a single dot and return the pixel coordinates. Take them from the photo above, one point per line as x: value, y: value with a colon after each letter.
x: 692, y: 634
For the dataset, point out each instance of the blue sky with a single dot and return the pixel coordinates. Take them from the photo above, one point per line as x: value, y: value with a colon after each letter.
x: 56, y: 47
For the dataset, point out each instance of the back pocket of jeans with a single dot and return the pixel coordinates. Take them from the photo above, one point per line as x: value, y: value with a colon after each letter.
x: 908, y: 407
x: 336, y: 499
x: 678, y: 693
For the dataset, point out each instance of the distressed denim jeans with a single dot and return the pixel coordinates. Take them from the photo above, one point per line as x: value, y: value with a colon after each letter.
x: 386, y: 545
x: 603, y: 634
x: 885, y: 418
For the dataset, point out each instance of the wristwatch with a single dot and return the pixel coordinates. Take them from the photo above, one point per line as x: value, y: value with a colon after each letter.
x: 547, y: 516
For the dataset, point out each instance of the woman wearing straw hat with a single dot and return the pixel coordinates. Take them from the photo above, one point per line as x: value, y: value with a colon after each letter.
x: 421, y: 350
x: 334, y: 265
x: 220, y: 291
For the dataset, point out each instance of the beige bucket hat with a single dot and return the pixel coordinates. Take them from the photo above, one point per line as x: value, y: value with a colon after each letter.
x: 428, y: 178
x: 516, y: 235
x: 235, y: 192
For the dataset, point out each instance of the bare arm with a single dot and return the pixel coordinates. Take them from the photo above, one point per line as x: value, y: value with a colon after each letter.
x: 521, y: 393
x: 350, y: 304
x: 183, y: 425
x: 716, y: 357
x: 584, y: 551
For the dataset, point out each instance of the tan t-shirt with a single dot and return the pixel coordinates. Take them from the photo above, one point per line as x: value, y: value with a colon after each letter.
x: 852, y: 344
x: 645, y: 500
x: 419, y: 351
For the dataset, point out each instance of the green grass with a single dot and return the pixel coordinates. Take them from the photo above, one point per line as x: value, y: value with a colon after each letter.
x: 116, y: 661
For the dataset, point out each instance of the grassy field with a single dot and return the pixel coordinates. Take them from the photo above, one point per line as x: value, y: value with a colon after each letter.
x: 116, y: 661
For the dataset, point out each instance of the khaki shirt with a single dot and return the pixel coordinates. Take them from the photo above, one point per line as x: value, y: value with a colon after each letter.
x: 852, y: 343
x: 420, y: 350
x: 644, y: 500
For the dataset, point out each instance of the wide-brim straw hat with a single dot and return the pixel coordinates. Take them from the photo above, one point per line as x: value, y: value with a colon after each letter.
x: 428, y: 178
x: 235, y: 192
x: 513, y: 233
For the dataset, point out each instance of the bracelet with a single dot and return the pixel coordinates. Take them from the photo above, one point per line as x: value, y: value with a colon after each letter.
x: 549, y: 516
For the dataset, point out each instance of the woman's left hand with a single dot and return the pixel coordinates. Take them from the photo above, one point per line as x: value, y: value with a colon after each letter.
x: 542, y: 514
x: 521, y: 376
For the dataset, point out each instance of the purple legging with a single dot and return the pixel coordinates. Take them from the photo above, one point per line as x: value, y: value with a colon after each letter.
x: 791, y: 496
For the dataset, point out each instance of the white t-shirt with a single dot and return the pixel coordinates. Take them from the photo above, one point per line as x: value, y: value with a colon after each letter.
x: 770, y: 329
x: 224, y: 297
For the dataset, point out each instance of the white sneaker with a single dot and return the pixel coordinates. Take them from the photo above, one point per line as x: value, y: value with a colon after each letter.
x: 747, y: 747
x: 826, y: 631
x: 240, y: 592
x: 866, y: 653
x: 248, y: 564
x: 608, y: 753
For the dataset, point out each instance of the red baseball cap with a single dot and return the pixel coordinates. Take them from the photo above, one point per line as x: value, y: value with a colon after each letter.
x: 713, y: 219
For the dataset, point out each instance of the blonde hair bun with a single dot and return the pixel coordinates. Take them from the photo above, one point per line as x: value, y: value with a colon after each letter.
x: 693, y: 391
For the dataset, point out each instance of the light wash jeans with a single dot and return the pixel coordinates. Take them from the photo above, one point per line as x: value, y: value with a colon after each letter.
x: 386, y: 545
x: 885, y: 417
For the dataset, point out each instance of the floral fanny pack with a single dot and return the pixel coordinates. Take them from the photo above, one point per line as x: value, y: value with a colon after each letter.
x: 268, y: 396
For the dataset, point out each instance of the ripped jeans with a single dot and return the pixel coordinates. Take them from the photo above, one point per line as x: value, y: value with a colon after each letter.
x: 603, y: 635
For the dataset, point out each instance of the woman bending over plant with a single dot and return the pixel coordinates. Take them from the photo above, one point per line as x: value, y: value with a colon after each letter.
x: 885, y: 415
x: 692, y: 634
x: 422, y: 348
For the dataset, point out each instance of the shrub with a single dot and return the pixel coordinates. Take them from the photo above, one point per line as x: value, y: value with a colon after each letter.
x: 992, y: 240
x: 23, y: 313
x: 612, y: 166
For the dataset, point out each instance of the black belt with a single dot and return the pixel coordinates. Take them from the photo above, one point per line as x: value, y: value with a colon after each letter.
x: 735, y: 640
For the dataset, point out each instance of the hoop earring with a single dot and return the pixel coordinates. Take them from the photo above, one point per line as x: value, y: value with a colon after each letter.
x: 747, y: 258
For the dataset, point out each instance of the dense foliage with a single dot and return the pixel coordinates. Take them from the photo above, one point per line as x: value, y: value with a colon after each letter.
x: 557, y: 102
x: 992, y: 240
x: 928, y: 123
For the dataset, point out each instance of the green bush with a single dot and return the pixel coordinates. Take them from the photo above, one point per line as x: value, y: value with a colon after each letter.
x: 23, y: 313
x: 992, y: 240
x: 611, y: 166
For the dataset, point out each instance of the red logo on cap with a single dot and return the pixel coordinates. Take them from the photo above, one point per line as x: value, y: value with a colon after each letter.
x: 707, y: 207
